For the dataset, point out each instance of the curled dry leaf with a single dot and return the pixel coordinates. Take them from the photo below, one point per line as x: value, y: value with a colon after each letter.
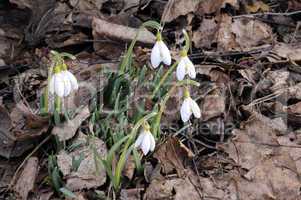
x: 26, y: 181
x: 19, y: 130
x: 172, y: 154
x: 102, y: 28
x: 88, y: 174
x: 68, y: 129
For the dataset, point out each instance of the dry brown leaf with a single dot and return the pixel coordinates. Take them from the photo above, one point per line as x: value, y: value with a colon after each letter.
x: 250, y: 33
x: 26, y: 181
x: 256, y: 6
x: 68, y: 129
x: 205, y: 35
x: 177, y: 189
x: 285, y: 52
x: 279, y: 78
x: 230, y: 34
x: 131, y: 194
x: 172, y: 154
x: 104, y: 29
x: 213, y: 6
x: 254, y: 143
x: 129, y: 167
x: 19, y: 130
x: 176, y: 8
x: 213, y: 106
x: 87, y: 175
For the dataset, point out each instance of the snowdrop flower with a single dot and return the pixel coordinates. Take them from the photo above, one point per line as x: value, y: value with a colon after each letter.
x: 160, y: 53
x: 56, y: 84
x: 62, y: 82
x: 145, y: 141
x: 185, y: 66
x: 69, y: 77
x: 189, y: 107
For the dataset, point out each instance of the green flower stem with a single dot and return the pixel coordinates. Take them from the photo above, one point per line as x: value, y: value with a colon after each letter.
x: 122, y: 160
x: 57, y: 104
x: 163, y: 79
x: 156, y: 125
x: 125, y: 60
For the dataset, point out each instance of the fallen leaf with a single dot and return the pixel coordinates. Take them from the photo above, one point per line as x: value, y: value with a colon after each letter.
x: 205, y: 35
x: 257, y: 6
x: 252, y: 144
x: 213, y: 6
x: 176, y: 8
x: 129, y: 168
x: 104, y: 29
x: 213, y: 106
x: 177, y: 189
x: 285, y: 52
x: 68, y: 129
x: 172, y: 154
x: 88, y: 174
x: 131, y: 194
x: 26, y: 181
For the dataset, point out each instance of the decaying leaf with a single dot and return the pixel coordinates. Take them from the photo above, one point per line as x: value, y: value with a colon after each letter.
x: 131, y: 194
x: 213, y: 106
x: 285, y: 52
x: 254, y: 143
x: 68, y: 129
x: 230, y: 34
x: 87, y: 174
x: 176, y: 8
x: 176, y: 189
x: 172, y: 155
x: 19, y: 130
x: 104, y: 29
x: 26, y: 181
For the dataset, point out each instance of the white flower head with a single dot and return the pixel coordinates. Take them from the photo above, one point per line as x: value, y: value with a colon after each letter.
x: 160, y: 53
x: 145, y: 141
x: 56, y: 84
x: 63, y: 82
x: 189, y: 107
x: 185, y: 66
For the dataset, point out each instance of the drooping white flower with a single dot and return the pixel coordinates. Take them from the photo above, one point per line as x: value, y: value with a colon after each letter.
x: 160, y: 53
x: 145, y: 141
x: 185, y: 66
x: 62, y: 82
x: 189, y: 107
x: 69, y: 77
x: 57, y: 83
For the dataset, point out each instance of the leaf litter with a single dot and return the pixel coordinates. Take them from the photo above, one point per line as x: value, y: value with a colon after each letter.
x: 246, y: 145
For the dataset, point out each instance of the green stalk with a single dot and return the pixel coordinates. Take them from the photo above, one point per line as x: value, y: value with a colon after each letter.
x: 156, y: 125
x: 122, y: 160
x: 163, y: 79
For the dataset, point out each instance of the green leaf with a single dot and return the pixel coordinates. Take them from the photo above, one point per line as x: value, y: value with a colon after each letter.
x: 67, y: 193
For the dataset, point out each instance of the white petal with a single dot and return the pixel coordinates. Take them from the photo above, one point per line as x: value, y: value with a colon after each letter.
x: 155, y: 56
x: 165, y: 53
x: 190, y: 68
x: 140, y: 139
x: 152, y: 142
x: 185, y: 110
x: 145, y: 144
x: 51, y: 85
x: 195, y: 109
x: 67, y: 84
x: 181, y: 70
x: 72, y: 79
x: 58, y: 84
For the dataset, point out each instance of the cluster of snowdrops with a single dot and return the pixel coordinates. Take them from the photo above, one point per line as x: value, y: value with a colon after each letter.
x: 62, y: 82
